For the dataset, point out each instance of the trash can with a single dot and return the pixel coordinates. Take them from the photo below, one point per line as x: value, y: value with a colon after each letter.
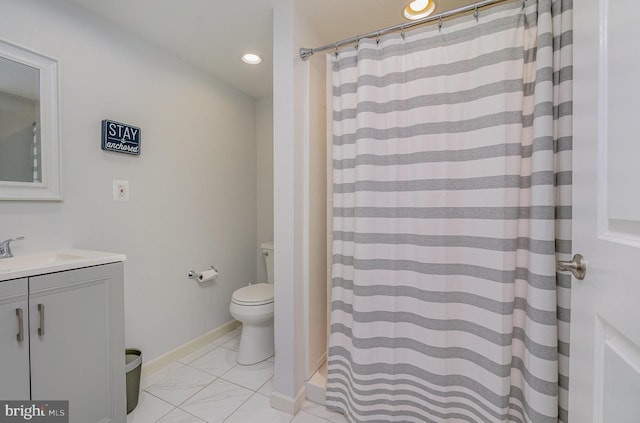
x: 133, y: 367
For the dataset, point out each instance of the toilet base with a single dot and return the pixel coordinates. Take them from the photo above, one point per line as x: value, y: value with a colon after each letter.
x: 256, y: 343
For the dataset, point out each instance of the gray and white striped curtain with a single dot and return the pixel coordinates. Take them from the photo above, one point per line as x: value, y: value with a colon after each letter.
x: 36, y: 154
x: 452, y: 202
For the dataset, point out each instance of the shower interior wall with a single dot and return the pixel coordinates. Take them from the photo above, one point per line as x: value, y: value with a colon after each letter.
x: 316, y: 216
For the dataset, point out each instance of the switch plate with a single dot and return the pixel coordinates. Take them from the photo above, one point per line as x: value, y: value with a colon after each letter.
x: 120, y: 190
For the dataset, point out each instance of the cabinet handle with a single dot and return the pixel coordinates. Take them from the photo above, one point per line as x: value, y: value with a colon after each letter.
x: 20, y: 335
x: 41, y: 328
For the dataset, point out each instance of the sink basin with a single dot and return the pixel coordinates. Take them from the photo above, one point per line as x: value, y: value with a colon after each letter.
x: 36, y: 260
x: 53, y: 261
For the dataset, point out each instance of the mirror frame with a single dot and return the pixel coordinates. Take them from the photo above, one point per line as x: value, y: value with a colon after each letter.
x: 49, y: 188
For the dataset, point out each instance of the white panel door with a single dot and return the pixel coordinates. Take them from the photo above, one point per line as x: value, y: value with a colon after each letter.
x: 605, y: 327
x: 14, y: 349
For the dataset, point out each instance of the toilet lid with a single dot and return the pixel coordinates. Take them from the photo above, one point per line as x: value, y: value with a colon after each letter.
x: 256, y: 294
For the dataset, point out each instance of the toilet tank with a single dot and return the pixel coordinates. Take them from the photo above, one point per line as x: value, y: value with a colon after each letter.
x: 267, y: 253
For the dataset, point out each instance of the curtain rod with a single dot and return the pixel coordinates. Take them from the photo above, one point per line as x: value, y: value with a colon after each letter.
x: 305, y: 53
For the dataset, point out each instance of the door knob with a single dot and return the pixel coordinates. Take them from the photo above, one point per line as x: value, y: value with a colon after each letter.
x: 577, y: 266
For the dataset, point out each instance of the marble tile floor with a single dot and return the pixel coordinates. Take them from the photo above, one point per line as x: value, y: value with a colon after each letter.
x: 209, y: 386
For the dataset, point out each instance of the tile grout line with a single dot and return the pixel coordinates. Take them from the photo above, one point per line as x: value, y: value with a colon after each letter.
x: 237, y: 408
x: 191, y: 414
x: 166, y: 402
x: 199, y: 390
x: 216, y: 377
x: 253, y: 392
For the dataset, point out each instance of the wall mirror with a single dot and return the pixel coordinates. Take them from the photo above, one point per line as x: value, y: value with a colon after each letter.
x: 29, y: 125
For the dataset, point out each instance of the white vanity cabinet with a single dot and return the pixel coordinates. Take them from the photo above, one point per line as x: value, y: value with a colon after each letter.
x: 73, y: 341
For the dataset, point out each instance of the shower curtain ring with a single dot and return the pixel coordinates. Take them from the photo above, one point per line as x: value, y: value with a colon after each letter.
x: 336, y: 52
x: 475, y: 13
x: 378, y: 38
x: 357, y: 42
x: 440, y: 23
x: 402, y: 32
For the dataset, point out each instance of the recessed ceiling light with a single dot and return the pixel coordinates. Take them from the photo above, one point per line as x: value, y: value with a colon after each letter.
x: 419, y: 9
x: 251, y: 58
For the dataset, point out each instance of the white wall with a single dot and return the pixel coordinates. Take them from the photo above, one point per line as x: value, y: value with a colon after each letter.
x: 193, y: 189
x: 291, y: 31
x: 288, y: 330
x: 264, y: 145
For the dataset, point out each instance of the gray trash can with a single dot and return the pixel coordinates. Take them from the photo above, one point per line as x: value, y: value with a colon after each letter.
x: 133, y: 367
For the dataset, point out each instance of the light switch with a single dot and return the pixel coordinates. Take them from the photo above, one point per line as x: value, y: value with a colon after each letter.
x: 120, y: 190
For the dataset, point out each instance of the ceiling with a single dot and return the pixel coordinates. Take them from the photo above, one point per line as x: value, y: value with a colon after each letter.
x: 213, y: 34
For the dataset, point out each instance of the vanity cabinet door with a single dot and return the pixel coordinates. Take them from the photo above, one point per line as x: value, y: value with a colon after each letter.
x: 77, y: 342
x: 14, y: 349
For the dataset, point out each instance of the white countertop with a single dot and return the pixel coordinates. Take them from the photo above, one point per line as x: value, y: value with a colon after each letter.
x: 22, y: 266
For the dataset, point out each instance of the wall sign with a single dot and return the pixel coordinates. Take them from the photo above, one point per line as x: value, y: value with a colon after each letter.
x: 120, y: 137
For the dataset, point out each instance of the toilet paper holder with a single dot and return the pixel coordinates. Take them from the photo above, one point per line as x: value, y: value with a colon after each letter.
x: 193, y: 274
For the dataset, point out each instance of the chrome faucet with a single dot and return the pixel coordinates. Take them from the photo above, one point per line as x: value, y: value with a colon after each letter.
x: 5, y: 247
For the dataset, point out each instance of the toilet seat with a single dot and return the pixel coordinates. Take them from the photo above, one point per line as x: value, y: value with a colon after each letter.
x: 254, y: 295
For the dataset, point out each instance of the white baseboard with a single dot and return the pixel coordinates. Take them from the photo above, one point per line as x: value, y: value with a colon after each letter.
x: 316, y: 386
x: 288, y: 404
x: 316, y: 393
x: 159, y: 363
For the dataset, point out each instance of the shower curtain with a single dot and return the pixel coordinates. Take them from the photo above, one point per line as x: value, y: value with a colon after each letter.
x: 452, y: 203
x: 36, y: 154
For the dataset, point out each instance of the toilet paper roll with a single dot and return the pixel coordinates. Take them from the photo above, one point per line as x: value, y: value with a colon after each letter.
x: 207, y: 275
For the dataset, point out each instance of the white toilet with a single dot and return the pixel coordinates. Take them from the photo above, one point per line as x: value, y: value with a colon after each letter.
x: 253, y: 306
